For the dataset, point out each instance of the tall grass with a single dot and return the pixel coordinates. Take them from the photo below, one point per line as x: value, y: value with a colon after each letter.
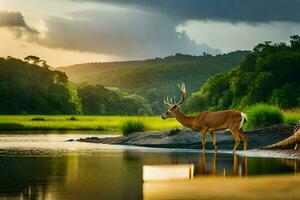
x: 132, y: 126
x: 262, y: 115
x: 292, y: 116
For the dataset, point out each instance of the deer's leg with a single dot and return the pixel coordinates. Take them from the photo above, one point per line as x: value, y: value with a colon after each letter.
x: 244, y: 137
x: 236, y: 137
x: 203, y: 131
x: 213, y: 136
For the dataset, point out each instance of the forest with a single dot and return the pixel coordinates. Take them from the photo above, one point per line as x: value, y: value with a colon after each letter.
x: 27, y: 87
x: 269, y: 74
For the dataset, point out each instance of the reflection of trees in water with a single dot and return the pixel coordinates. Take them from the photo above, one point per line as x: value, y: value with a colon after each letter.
x: 28, y: 177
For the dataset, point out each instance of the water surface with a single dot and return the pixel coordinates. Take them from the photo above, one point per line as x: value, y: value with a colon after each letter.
x: 44, y: 166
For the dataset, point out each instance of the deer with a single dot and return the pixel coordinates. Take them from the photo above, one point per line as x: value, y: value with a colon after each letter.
x: 212, y: 122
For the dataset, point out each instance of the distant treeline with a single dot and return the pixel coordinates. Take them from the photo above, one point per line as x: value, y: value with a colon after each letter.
x: 98, y: 100
x: 27, y: 88
x: 270, y: 74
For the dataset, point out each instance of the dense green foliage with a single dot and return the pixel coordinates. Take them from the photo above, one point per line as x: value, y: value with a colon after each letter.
x: 31, y: 89
x: 27, y: 88
x: 153, y: 79
x: 270, y: 74
x: 132, y: 126
x: 98, y: 100
x: 262, y: 115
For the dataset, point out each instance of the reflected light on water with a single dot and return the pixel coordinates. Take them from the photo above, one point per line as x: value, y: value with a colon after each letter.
x: 167, y: 172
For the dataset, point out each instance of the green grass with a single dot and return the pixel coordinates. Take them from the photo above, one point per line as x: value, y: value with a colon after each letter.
x: 292, y: 116
x: 106, y: 123
x: 132, y: 126
x: 262, y: 115
x: 64, y: 122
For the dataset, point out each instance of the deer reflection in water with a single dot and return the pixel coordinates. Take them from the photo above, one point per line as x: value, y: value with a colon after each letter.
x: 239, y: 166
x: 210, y: 165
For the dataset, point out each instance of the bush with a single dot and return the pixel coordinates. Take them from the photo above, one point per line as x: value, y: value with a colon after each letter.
x: 262, y: 115
x: 132, y: 126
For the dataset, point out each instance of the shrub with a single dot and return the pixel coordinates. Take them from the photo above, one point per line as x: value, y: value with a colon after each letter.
x: 132, y: 126
x: 262, y: 115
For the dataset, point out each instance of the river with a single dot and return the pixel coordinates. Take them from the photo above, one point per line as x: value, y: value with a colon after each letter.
x: 42, y: 165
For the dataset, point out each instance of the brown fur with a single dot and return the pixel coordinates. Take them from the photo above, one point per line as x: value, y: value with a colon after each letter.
x: 211, y: 122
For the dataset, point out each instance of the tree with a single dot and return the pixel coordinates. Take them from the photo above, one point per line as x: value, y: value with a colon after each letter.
x: 295, y: 41
x: 270, y: 74
x: 29, y: 89
x: 37, y: 61
x: 32, y: 59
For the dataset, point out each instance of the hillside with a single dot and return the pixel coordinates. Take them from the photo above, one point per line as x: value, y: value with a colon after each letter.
x: 270, y: 74
x: 157, y: 77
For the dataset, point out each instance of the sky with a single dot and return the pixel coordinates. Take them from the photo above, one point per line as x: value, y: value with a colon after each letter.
x: 65, y: 32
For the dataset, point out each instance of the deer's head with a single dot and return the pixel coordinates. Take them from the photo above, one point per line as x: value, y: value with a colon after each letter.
x: 173, y: 105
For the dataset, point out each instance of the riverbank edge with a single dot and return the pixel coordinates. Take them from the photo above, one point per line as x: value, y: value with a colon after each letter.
x: 187, y: 139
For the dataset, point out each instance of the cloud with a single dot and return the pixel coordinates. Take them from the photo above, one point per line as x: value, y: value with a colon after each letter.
x: 241, y: 35
x: 221, y: 10
x: 126, y: 33
x: 135, y: 29
x: 16, y: 22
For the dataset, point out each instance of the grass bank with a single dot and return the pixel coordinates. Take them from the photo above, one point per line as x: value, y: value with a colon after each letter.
x: 66, y: 122
x: 292, y: 116
x: 106, y: 123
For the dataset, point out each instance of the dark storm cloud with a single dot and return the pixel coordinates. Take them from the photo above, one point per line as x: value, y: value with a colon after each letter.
x: 14, y: 20
x: 126, y: 33
x: 223, y: 10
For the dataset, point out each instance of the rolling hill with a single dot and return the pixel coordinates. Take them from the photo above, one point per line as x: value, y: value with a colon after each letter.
x: 155, y: 78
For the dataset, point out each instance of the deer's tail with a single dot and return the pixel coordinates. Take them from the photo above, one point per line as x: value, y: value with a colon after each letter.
x: 244, y: 119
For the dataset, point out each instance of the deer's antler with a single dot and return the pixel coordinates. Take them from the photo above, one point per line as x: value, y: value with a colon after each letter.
x: 166, y: 101
x: 183, y: 93
x: 173, y: 100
